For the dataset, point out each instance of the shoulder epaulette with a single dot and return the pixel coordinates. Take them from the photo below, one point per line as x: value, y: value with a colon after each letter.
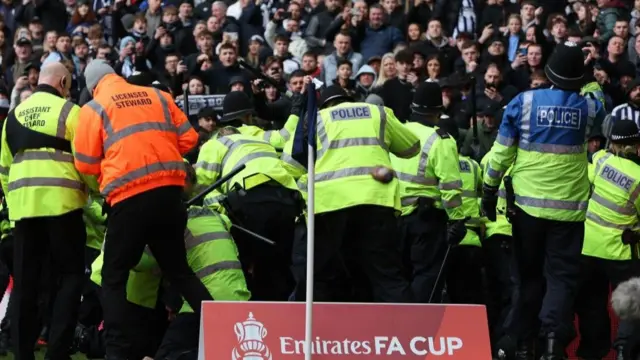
x: 442, y: 133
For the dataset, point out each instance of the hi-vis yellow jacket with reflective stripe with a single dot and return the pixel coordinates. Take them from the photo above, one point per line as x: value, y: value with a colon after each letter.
x: 613, y: 207
x: 211, y: 253
x: 547, y: 130
x: 94, y: 222
x: 501, y: 226
x: 435, y: 173
x: 471, y: 176
x: 352, y: 140
x: 277, y: 138
x: 221, y: 155
x: 42, y: 182
x: 143, y: 283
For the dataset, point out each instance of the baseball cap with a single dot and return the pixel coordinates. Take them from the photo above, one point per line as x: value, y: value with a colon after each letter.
x: 23, y: 41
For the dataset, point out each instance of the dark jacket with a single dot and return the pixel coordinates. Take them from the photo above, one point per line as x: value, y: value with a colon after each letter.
x: 607, y: 18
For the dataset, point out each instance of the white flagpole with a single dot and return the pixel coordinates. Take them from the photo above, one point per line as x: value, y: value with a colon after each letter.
x: 311, y: 171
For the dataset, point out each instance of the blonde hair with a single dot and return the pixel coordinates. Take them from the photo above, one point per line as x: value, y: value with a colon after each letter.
x: 382, y: 78
x: 623, y: 150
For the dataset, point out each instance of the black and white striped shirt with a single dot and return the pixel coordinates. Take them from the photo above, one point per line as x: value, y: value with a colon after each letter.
x: 466, y: 19
x: 626, y: 112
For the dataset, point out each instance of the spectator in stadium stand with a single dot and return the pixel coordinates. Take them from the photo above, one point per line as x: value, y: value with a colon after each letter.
x: 343, y: 50
x: 318, y: 25
x: 610, y: 12
x: 310, y: 64
x: 398, y: 92
x: 375, y: 37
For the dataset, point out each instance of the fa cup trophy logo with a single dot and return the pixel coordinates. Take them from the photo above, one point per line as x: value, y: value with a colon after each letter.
x: 250, y: 346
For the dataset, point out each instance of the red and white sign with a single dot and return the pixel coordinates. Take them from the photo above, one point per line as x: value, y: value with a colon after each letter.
x: 275, y: 331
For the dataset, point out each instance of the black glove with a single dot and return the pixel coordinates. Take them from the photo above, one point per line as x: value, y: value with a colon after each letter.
x: 489, y: 201
x: 298, y: 102
x: 456, y: 232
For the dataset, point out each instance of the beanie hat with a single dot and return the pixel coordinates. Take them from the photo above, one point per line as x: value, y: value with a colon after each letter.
x: 95, y: 71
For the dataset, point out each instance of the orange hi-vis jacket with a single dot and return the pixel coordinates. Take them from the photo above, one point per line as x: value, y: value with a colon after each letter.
x: 133, y: 137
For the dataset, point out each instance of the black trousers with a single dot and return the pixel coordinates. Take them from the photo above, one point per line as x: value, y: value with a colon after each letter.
x: 360, y: 241
x: 270, y: 211
x: 423, y: 245
x: 465, y: 283
x: 546, y: 262
x: 90, y: 312
x: 61, y: 240
x: 180, y: 342
x: 6, y: 263
x: 156, y: 218
x: 497, y: 253
x: 597, y: 278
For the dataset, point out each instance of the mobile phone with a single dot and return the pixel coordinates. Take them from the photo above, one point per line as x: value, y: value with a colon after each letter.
x: 286, y: 15
x: 522, y: 51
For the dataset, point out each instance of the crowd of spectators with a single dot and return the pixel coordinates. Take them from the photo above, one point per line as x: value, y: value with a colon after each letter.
x: 378, y: 52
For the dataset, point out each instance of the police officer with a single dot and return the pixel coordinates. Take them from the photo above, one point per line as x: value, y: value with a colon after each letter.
x: 45, y: 194
x: 430, y: 194
x: 263, y: 198
x: 355, y: 211
x: 464, y: 276
x: 542, y: 134
x: 607, y: 259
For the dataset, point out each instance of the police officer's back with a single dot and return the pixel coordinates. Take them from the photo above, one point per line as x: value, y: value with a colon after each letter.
x: 355, y: 213
x: 430, y: 191
x: 264, y: 198
x: 543, y: 134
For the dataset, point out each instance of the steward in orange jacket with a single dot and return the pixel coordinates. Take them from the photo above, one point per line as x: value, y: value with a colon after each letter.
x: 134, y: 137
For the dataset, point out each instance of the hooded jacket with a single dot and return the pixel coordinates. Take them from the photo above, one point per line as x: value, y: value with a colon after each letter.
x: 361, y: 90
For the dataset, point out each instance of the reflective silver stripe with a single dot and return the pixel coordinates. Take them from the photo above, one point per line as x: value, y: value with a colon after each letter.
x: 342, y: 173
x: 232, y: 145
x: 525, y: 121
x: 208, y: 201
x: 410, y: 152
x: 321, y: 133
x: 363, y: 141
x: 223, y: 265
x: 383, y: 128
x: 45, y: 181
x: 165, y: 108
x: 415, y: 179
x: 285, y: 134
x: 493, y: 173
x: 455, y: 202
x: 424, y: 154
x: 106, y: 122
x: 267, y: 135
x: 600, y: 221
x: 207, y: 166
x: 62, y: 119
x: 505, y: 140
x: 195, y: 212
x: 256, y: 155
x: 413, y: 200
x: 93, y: 160
x: 184, y: 128
x: 4, y: 170
x: 42, y: 155
x: 469, y: 193
x: 302, y: 186
x: 291, y: 161
x: 192, y: 241
x: 551, y: 148
x: 551, y: 204
x: 142, y: 172
x: 502, y: 193
x: 133, y: 129
x: 600, y: 162
x: 452, y: 185
x: 476, y: 174
x: 624, y: 210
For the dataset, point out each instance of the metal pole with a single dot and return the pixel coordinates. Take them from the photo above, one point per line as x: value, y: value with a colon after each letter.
x: 311, y: 171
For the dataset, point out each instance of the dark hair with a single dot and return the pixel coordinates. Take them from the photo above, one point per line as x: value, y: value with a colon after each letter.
x: 347, y: 62
x: 404, y: 56
x: 205, y: 33
x: 282, y: 38
x: 574, y: 32
x: 344, y: 33
x: 298, y: 73
x: 310, y: 54
x: 226, y: 46
x: 76, y: 18
x: 469, y: 44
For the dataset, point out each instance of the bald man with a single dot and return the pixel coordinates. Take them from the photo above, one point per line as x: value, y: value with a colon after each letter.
x: 45, y: 195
